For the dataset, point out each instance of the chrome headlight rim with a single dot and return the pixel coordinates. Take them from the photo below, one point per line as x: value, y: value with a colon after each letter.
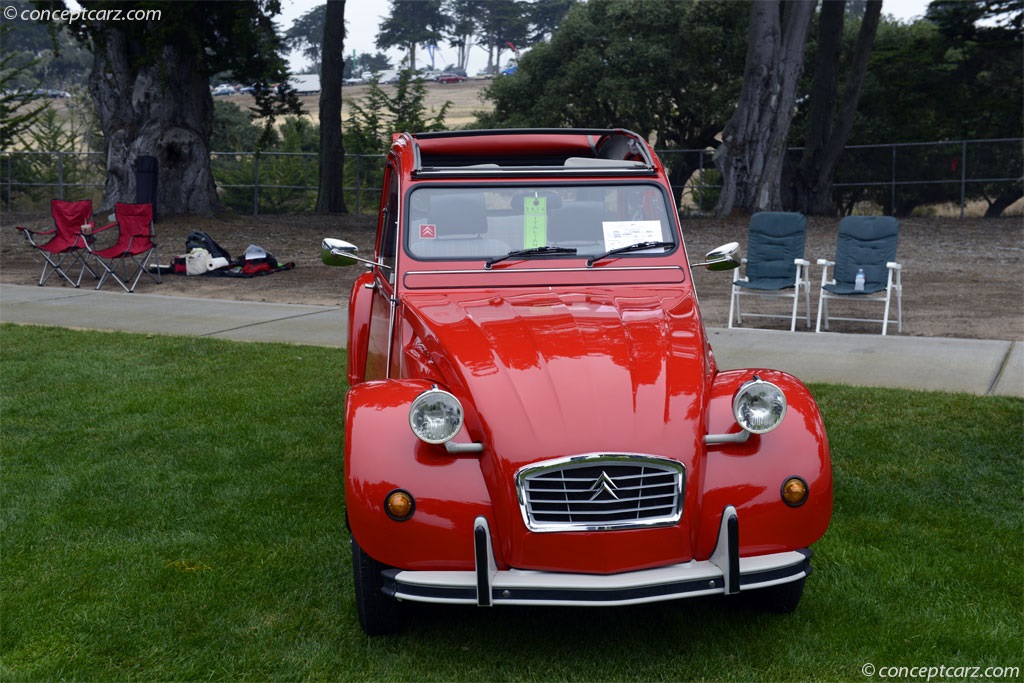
x: 759, y: 391
x: 453, y: 416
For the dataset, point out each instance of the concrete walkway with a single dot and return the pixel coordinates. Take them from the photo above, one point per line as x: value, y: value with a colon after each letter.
x: 976, y: 366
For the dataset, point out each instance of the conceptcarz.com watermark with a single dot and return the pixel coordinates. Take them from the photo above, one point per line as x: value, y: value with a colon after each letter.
x: 67, y: 16
x: 937, y: 673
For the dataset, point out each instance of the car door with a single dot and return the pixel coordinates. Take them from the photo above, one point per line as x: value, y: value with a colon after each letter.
x: 383, y: 306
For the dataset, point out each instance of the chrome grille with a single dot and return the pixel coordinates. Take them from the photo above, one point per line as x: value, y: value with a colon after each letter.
x: 601, y: 491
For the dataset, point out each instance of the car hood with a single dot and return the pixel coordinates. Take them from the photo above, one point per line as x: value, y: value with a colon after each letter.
x: 551, y: 374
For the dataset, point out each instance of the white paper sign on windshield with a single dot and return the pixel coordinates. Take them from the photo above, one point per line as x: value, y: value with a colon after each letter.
x: 625, y: 233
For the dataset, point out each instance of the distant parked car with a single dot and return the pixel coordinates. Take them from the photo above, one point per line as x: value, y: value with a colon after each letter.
x: 35, y: 94
x: 223, y: 89
x: 450, y: 77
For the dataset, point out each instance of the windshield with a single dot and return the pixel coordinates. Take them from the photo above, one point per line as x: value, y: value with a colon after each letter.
x: 487, y: 222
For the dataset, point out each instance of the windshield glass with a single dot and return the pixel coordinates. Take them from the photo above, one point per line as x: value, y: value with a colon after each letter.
x: 485, y: 222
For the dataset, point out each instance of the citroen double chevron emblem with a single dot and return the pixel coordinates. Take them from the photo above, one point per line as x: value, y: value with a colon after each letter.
x: 603, y: 484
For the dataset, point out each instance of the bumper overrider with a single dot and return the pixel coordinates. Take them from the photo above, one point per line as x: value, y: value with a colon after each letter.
x: 725, y: 572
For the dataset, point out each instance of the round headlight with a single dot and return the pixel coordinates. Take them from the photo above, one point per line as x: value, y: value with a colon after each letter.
x: 759, y: 406
x: 435, y: 416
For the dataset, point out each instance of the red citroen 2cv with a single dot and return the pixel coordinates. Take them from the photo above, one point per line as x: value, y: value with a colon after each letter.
x: 535, y: 414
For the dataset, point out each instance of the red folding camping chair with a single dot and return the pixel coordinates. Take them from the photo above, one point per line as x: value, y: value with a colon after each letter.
x: 134, y: 246
x: 67, y: 242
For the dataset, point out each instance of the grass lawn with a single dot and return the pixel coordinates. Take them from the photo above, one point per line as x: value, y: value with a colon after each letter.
x: 171, y: 509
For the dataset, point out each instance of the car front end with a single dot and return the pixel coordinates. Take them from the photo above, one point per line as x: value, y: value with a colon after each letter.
x: 536, y: 416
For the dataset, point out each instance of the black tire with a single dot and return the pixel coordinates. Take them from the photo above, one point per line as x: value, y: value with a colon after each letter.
x: 781, y: 599
x: 379, y: 614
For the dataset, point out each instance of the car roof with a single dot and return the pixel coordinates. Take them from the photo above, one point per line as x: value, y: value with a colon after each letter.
x: 529, y: 151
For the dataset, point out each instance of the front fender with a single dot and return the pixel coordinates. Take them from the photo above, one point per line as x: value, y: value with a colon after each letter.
x: 749, y: 476
x: 381, y: 455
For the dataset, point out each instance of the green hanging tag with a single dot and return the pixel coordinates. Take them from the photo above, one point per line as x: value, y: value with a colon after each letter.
x: 535, y: 222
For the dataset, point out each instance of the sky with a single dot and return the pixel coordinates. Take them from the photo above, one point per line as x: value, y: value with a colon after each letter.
x: 363, y: 18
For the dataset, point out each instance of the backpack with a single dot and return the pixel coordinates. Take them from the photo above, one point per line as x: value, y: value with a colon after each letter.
x: 198, y: 239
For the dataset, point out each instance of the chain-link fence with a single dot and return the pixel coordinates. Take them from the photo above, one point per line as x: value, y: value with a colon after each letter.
x: 892, y: 178
x: 31, y: 179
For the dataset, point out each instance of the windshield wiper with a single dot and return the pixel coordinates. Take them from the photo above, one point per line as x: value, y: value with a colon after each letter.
x: 534, y: 251
x: 639, y: 246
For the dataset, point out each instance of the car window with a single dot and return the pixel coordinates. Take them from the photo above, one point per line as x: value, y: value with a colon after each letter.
x: 483, y: 222
x: 389, y: 228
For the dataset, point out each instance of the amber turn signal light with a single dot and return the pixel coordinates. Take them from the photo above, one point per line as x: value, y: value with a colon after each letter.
x: 794, y: 492
x: 399, y: 505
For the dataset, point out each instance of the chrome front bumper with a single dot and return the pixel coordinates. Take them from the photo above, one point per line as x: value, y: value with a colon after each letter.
x: 724, y: 573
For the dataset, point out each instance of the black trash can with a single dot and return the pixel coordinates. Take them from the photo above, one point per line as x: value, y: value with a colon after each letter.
x: 145, y: 181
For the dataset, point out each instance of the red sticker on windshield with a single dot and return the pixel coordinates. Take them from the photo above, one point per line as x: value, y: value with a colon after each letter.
x: 428, y: 232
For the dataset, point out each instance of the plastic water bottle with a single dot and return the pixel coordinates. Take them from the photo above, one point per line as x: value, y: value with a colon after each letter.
x: 858, y: 282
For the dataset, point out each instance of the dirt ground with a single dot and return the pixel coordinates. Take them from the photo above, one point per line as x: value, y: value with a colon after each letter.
x: 961, y: 278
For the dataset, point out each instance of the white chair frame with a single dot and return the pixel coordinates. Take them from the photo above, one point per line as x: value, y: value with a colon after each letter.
x: 801, y: 281
x: 894, y: 285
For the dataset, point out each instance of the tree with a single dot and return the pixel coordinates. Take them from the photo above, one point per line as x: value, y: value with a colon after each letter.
x: 32, y: 59
x: 233, y: 129
x: 299, y: 140
x: 306, y: 35
x: 58, y: 62
x: 378, y: 115
x: 330, y: 197
x: 545, y: 16
x: 412, y: 22
x: 669, y: 70
x: 151, y: 87
x: 983, y: 63
x: 502, y: 23
x: 19, y: 109
x: 954, y: 75
x: 830, y: 120
x: 365, y: 62
x: 754, y: 141
x: 465, y: 20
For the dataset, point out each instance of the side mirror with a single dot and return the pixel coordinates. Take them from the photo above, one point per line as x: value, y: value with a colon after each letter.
x: 725, y: 257
x: 335, y: 252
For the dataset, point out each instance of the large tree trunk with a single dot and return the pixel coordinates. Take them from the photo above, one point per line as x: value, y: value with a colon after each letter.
x: 330, y: 197
x: 754, y: 141
x: 828, y: 131
x: 463, y: 59
x: 412, y: 56
x: 822, y: 103
x: 162, y: 109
